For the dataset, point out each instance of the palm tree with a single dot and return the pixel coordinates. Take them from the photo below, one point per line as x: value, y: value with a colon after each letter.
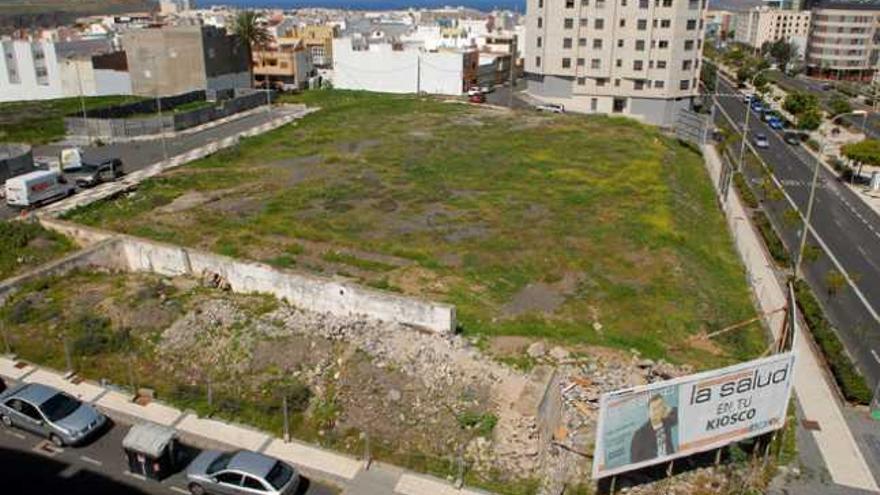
x: 252, y: 35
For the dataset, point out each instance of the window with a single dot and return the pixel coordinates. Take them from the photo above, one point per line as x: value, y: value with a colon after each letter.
x: 654, y: 23
x: 585, y: 3
x: 539, y: 42
x: 640, y: 45
x: 601, y: 82
x: 619, y: 43
x: 665, y: 23
x: 581, y: 62
x: 228, y: 478
x: 643, y: 4
x: 691, y: 24
x: 599, y: 24
x: 582, y: 81
x: 623, y: 23
x: 566, y: 63
x: 595, y: 63
x: 619, y: 62
x: 684, y: 84
x: 619, y: 105
x: 658, y: 84
x: 639, y: 84
x: 623, y: 3
x: 24, y: 408
x: 253, y: 484
x: 566, y: 42
x: 686, y: 65
x: 617, y: 83
x: 594, y: 104
x: 540, y: 4
x: 537, y: 61
x: 569, y: 4
x: 688, y: 45
x: 638, y: 65
x: 583, y: 22
x: 582, y: 42
x: 667, y: 3
x: 568, y: 23
x: 663, y: 44
x: 540, y: 22
x: 650, y: 64
x: 642, y: 24
x: 597, y: 44
x: 693, y: 4
x: 661, y: 64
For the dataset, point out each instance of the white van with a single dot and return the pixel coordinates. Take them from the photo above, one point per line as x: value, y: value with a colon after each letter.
x: 36, y: 188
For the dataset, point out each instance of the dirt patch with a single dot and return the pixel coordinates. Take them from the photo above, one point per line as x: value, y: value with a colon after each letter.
x: 541, y: 297
x: 186, y: 201
x: 509, y: 345
x: 237, y: 206
x: 358, y: 147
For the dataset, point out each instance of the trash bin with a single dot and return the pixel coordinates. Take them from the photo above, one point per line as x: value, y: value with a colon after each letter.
x: 150, y: 449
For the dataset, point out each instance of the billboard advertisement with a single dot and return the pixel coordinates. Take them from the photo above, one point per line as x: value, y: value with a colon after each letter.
x: 655, y: 423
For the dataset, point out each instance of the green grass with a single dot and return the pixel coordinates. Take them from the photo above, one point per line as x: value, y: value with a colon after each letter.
x: 25, y: 245
x: 40, y: 122
x: 512, y: 198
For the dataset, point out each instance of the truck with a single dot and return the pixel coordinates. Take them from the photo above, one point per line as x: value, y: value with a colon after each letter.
x: 37, y: 188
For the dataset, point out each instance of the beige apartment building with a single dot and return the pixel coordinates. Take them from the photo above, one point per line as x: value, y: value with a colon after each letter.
x: 639, y: 58
x: 761, y: 25
x: 844, y: 40
x: 318, y: 41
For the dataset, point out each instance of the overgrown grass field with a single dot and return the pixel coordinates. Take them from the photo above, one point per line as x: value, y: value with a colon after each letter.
x: 590, y: 230
x: 40, y: 122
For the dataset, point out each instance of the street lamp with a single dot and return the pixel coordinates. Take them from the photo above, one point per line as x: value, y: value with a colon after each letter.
x: 745, y: 133
x: 800, y: 256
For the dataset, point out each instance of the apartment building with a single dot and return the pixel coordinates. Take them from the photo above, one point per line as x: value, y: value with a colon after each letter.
x: 760, y: 25
x: 318, y: 41
x: 178, y: 59
x: 639, y: 58
x: 844, y: 40
x: 287, y: 67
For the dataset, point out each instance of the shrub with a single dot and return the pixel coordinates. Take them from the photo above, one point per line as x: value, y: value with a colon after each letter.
x: 851, y: 383
x: 771, y: 239
x: 481, y: 423
x: 93, y: 335
x: 745, y: 192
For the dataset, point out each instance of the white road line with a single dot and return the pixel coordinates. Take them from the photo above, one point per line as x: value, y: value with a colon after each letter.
x: 178, y: 489
x: 876, y: 357
x: 15, y: 434
x: 91, y: 461
x: 136, y: 476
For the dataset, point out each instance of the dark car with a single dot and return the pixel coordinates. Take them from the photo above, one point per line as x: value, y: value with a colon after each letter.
x: 92, y: 174
x: 792, y: 138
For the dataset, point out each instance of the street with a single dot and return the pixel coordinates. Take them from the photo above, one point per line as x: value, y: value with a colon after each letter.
x: 98, y: 467
x: 842, y: 221
x: 138, y: 155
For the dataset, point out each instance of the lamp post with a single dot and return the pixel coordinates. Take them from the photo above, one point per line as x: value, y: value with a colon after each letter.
x: 745, y: 133
x: 803, y: 244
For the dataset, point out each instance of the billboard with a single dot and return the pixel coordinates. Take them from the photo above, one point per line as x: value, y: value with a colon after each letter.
x: 654, y: 423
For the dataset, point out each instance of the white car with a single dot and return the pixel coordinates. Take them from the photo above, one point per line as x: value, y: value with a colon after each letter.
x: 761, y: 141
x: 474, y: 91
x: 551, y: 107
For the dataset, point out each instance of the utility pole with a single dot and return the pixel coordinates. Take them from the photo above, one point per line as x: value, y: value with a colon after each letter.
x: 82, y: 102
x: 159, y: 108
x: 512, y: 80
x: 419, y: 73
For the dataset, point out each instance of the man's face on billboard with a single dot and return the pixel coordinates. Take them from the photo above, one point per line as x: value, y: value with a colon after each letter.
x: 656, y: 411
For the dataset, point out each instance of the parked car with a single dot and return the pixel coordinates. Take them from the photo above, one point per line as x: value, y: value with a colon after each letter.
x: 768, y: 114
x: 551, y: 107
x: 474, y: 90
x: 827, y: 87
x: 792, y: 138
x: 487, y: 89
x: 47, y: 411
x: 37, y: 188
x: 92, y: 174
x: 747, y: 99
x: 240, y: 472
x: 477, y: 98
x: 761, y: 141
x: 758, y: 106
x: 776, y: 123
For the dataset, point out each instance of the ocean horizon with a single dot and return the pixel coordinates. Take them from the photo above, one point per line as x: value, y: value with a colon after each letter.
x: 483, y: 5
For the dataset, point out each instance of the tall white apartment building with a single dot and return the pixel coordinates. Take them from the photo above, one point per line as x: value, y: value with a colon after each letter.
x: 760, y: 25
x: 639, y: 58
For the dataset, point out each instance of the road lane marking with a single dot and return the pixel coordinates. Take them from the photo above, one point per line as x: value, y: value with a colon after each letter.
x: 135, y: 476
x: 91, y: 461
x: 178, y: 490
x: 15, y: 434
x: 876, y: 357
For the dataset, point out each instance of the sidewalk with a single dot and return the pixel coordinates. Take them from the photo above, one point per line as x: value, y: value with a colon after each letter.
x: 315, y: 462
x: 838, y: 447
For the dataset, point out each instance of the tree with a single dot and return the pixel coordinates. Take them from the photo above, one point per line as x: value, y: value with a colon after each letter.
x: 782, y: 52
x: 810, y: 120
x: 797, y: 103
x: 709, y: 76
x: 839, y: 105
x: 865, y: 152
x: 251, y: 34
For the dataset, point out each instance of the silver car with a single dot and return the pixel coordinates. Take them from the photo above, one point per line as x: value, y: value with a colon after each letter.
x: 49, y: 412
x: 240, y: 472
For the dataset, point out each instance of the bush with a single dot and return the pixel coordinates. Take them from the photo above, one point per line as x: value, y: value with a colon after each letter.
x: 771, y: 239
x: 93, y: 335
x: 814, y: 145
x: 745, y: 192
x: 851, y: 383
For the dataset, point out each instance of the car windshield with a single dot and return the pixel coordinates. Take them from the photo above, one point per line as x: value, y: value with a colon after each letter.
x: 279, y: 475
x: 220, y: 462
x: 59, y: 406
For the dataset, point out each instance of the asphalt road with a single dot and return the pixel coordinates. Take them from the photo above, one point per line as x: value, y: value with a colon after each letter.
x: 30, y: 464
x: 138, y: 155
x: 849, y: 228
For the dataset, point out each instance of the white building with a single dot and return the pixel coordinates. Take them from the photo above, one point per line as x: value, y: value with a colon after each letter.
x: 639, y: 58
x: 398, y: 67
x: 760, y: 25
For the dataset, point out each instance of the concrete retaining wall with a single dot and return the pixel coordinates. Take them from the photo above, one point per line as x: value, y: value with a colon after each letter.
x: 302, y: 290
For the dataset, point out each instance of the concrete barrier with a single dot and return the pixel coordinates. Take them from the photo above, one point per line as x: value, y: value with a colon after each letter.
x: 303, y: 290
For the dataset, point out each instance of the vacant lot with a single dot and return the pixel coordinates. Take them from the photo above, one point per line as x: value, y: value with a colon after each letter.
x: 585, y: 230
x: 25, y: 245
x: 40, y: 122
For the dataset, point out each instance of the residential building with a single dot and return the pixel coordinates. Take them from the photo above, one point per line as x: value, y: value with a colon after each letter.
x: 639, y: 58
x: 289, y: 66
x: 167, y: 7
x: 760, y: 25
x: 178, y: 59
x: 720, y: 23
x: 844, y: 40
x: 401, y: 67
x: 318, y: 41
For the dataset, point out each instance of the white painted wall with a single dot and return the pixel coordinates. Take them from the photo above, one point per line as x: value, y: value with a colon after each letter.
x: 382, y: 69
x: 19, y: 54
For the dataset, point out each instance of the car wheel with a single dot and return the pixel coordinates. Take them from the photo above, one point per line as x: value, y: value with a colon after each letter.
x: 6, y: 420
x: 196, y: 489
x: 56, y: 440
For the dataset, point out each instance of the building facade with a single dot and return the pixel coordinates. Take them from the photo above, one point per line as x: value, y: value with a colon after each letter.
x: 760, y: 25
x: 288, y: 67
x: 173, y: 60
x: 318, y: 41
x: 639, y: 58
x: 844, y: 41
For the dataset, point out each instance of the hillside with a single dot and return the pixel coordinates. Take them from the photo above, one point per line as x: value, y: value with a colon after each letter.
x: 49, y: 13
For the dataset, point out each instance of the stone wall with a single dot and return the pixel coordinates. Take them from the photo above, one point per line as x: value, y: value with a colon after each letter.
x: 338, y: 297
